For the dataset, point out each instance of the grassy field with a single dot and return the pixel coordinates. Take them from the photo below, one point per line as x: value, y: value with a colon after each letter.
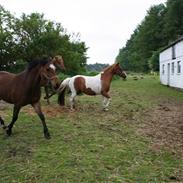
x: 90, y: 145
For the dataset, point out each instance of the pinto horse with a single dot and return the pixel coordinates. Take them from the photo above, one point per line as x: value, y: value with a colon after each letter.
x: 91, y: 85
x: 57, y: 61
x: 25, y: 88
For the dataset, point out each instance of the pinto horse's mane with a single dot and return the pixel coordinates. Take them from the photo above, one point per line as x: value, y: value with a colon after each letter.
x: 38, y: 61
x: 109, y: 67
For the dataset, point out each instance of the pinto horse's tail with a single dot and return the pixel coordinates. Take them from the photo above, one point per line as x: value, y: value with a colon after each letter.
x: 62, y: 88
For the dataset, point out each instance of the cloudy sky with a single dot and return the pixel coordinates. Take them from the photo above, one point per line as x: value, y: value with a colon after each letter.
x: 104, y: 25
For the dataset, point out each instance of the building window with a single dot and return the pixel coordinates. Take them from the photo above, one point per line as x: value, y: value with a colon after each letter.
x: 172, y: 67
x: 163, y: 69
x: 173, y: 52
x: 178, y: 67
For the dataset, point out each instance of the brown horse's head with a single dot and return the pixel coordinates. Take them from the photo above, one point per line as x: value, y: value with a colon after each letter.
x: 119, y: 71
x: 48, y: 75
x: 58, y: 62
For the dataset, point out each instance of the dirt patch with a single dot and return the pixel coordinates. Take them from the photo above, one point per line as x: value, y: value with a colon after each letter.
x: 49, y: 110
x: 164, y: 125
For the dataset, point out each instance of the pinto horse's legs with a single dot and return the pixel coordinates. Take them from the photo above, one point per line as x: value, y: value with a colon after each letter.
x: 16, y: 111
x: 105, y: 103
x: 106, y: 100
x: 72, y: 100
x: 37, y: 108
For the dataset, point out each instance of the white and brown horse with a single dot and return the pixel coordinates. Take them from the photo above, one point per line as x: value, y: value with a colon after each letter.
x: 91, y: 85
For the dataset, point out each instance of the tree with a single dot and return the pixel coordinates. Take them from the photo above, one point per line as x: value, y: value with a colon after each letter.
x: 31, y: 36
x: 161, y: 25
x: 7, y: 40
x: 153, y: 62
x: 174, y: 19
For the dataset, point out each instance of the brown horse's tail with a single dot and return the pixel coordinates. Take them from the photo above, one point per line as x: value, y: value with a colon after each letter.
x: 61, y: 95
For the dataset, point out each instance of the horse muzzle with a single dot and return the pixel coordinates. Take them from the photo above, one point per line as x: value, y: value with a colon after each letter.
x: 55, y: 82
x: 124, y: 76
x: 56, y: 86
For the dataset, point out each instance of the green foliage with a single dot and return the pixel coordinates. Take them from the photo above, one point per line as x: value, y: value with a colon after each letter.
x: 7, y: 41
x: 161, y: 25
x: 96, y: 67
x: 153, y: 62
x: 33, y: 36
x: 92, y: 73
x: 174, y: 19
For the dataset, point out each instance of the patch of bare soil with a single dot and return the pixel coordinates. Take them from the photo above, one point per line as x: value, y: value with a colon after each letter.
x: 164, y: 125
x: 49, y: 110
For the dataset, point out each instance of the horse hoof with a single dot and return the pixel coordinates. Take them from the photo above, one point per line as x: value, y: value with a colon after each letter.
x: 47, y: 135
x: 72, y: 109
x: 105, y: 109
x: 4, y: 127
x: 8, y: 132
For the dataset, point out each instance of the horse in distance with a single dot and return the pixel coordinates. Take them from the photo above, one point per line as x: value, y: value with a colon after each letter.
x: 91, y: 85
x: 58, y: 62
x: 25, y: 88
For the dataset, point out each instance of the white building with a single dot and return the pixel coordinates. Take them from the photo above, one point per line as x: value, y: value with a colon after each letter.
x: 171, y: 64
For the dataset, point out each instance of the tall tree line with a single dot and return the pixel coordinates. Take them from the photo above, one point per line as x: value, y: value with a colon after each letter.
x: 162, y: 25
x: 96, y: 67
x: 31, y: 36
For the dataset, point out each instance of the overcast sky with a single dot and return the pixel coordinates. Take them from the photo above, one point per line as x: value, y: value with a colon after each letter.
x: 104, y: 25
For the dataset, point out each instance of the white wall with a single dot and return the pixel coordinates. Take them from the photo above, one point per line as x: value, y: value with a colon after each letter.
x: 175, y: 79
x: 179, y: 49
x: 166, y: 55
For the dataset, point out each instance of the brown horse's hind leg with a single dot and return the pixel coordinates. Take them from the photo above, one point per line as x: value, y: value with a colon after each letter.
x: 16, y: 111
x: 2, y: 123
x: 37, y: 109
x: 47, y: 94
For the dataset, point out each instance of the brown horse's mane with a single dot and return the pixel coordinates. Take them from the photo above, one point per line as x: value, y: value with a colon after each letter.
x: 38, y: 61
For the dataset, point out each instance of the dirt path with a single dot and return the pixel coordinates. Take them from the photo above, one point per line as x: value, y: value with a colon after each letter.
x: 164, y: 126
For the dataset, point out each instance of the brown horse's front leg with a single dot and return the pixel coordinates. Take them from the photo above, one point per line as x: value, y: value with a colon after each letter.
x: 16, y: 111
x: 37, y: 108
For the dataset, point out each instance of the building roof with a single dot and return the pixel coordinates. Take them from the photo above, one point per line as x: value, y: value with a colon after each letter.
x: 172, y: 43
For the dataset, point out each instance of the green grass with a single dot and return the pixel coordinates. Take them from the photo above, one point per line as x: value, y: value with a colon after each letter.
x: 90, y: 145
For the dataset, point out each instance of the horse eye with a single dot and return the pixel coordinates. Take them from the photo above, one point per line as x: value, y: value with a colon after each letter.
x: 47, y: 69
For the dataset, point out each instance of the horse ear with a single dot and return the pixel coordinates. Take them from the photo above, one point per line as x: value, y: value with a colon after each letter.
x: 53, y: 59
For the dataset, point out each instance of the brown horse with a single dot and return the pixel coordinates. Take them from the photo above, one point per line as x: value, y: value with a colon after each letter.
x: 91, y: 85
x: 57, y: 61
x: 25, y: 88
